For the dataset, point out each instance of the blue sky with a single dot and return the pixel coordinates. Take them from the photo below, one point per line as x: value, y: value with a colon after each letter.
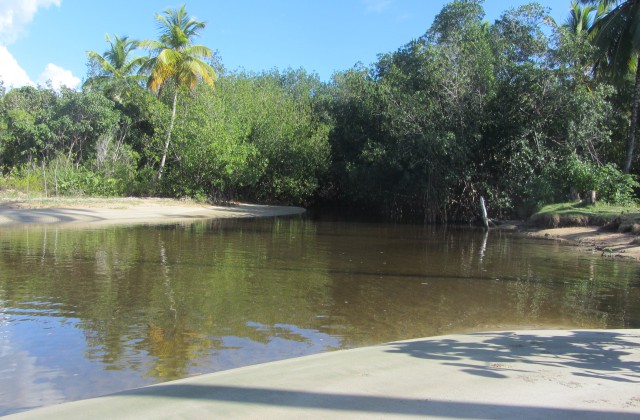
x: 48, y: 39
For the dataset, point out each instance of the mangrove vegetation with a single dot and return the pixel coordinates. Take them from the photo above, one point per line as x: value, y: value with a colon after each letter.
x: 523, y: 111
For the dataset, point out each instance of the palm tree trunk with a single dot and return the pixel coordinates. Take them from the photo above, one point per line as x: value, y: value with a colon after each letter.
x: 166, y: 144
x: 633, y: 128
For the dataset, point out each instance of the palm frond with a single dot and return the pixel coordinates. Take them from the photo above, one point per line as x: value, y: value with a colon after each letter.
x: 199, y: 51
x: 158, y: 77
x: 100, y: 62
x: 162, y: 23
x: 617, y: 38
x: 598, y: 3
x: 193, y: 27
x: 602, y: 9
x: 580, y: 18
x: 152, y: 45
x: 133, y: 65
x: 201, y: 70
x: 169, y: 57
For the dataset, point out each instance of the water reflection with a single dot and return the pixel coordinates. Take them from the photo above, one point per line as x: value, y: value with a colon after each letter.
x: 88, y: 312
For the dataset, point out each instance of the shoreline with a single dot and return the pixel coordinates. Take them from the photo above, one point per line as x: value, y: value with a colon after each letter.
x: 592, y: 239
x: 525, y: 374
x: 100, y: 212
x: 90, y: 213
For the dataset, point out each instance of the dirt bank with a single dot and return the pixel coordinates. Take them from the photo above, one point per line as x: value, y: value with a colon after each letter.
x: 593, y: 239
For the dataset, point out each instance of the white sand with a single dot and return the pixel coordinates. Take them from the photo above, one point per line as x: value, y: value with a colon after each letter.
x: 128, y: 212
x: 499, y: 375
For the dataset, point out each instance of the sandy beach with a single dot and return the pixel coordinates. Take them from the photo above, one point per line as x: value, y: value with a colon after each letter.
x: 92, y: 213
x: 522, y: 374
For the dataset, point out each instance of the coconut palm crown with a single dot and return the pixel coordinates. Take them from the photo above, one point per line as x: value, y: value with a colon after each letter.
x: 116, y: 62
x: 174, y: 57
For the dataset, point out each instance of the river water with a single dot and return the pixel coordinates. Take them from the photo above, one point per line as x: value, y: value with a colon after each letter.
x: 90, y: 312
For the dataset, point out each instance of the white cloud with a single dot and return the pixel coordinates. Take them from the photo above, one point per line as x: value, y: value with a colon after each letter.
x: 376, y: 6
x: 10, y: 71
x: 58, y: 77
x: 15, y: 15
x: 14, y: 76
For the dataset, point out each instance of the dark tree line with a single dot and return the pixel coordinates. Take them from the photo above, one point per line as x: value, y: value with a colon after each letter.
x: 523, y: 111
x: 518, y: 111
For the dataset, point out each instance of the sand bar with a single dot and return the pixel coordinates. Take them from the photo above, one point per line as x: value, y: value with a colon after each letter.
x: 592, y: 374
x: 104, y: 212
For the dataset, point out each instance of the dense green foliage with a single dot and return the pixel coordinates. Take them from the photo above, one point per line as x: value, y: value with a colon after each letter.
x: 510, y: 110
x: 469, y: 109
x: 613, y: 217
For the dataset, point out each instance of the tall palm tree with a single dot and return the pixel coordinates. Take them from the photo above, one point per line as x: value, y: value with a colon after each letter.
x: 176, y: 61
x: 115, y: 64
x: 616, y: 35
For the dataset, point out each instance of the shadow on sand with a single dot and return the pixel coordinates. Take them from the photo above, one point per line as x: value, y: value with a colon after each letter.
x: 374, y: 405
x: 597, y: 354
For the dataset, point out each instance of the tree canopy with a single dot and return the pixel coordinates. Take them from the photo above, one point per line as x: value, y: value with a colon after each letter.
x: 521, y: 111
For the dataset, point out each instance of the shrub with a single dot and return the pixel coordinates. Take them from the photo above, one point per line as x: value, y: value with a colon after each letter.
x: 610, y: 183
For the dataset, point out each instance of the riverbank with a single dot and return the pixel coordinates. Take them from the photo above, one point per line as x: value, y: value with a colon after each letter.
x: 96, y: 212
x: 592, y: 239
x: 517, y: 374
x: 92, y: 212
x: 608, y: 230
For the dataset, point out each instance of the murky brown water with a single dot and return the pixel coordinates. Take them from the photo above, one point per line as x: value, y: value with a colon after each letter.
x: 90, y: 312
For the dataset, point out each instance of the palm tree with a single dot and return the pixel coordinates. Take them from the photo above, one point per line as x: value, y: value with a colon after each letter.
x: 616, y: 35
x: 176, y: 61
x: 580, y: 19
x: 115, y: 64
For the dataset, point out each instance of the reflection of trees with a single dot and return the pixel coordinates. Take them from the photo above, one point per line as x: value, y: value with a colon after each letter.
x: 163, y: 300
x: 159, y: 300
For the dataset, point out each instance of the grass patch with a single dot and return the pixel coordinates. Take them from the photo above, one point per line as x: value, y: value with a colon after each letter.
x: 622, y: 218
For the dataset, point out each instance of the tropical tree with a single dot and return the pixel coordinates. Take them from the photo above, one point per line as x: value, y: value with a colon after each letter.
x: 27, y: 137
x: 115, y: 65
x: 616, y: 35
x: 176, y: 61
